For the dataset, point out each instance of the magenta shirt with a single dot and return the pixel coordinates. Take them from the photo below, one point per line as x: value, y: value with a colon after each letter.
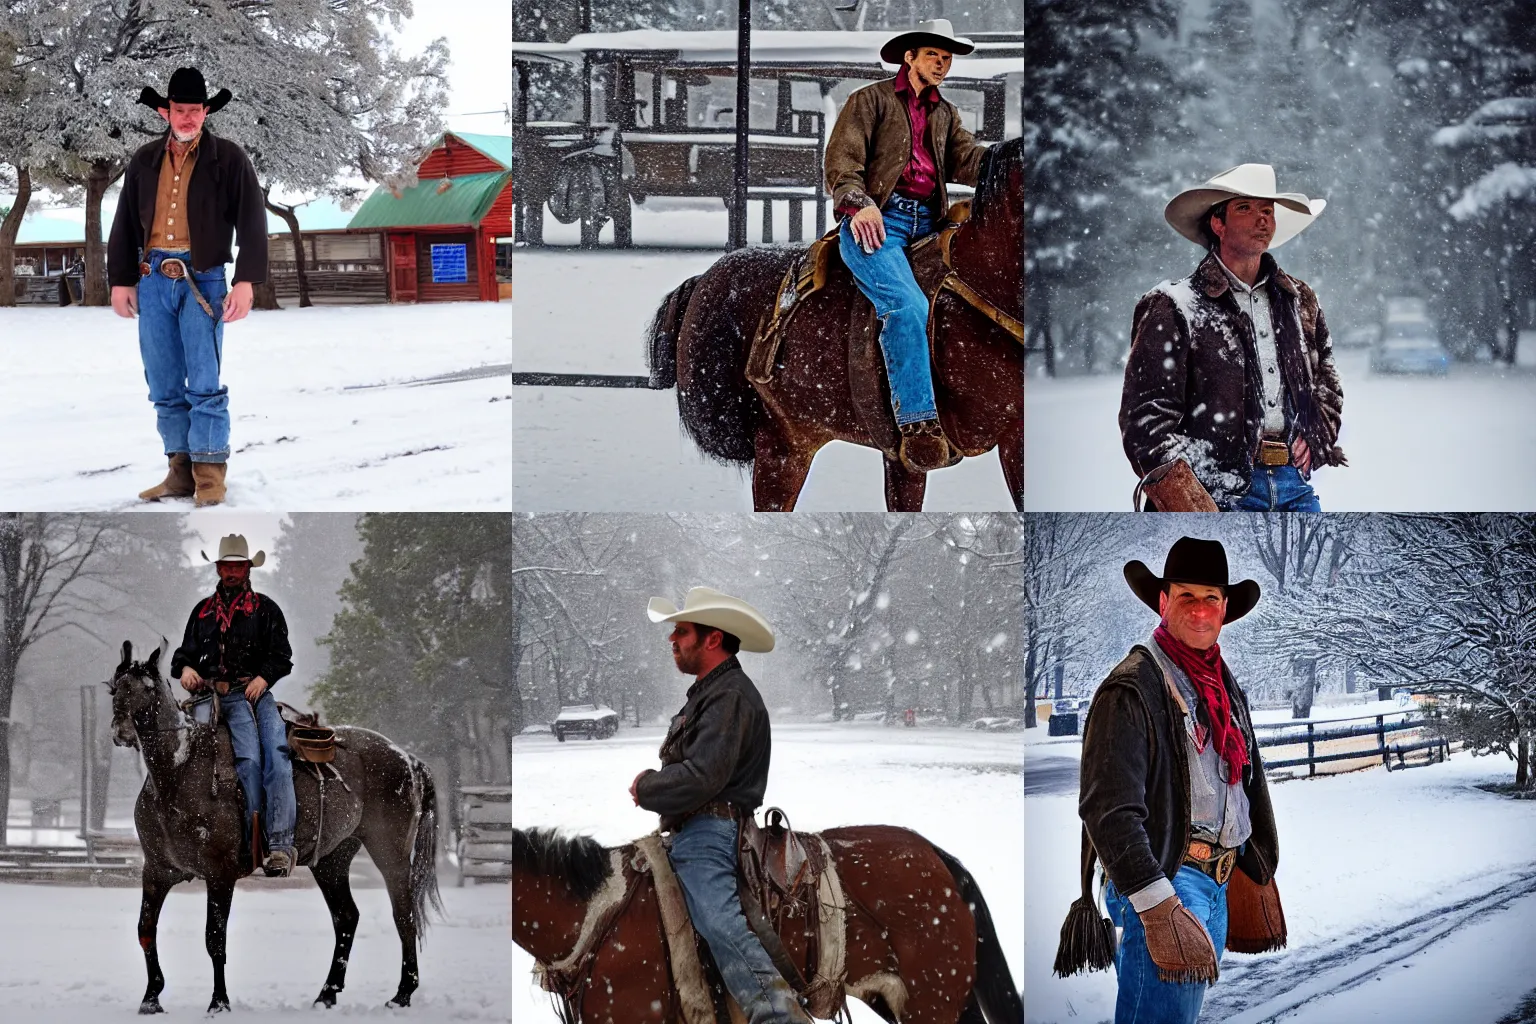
x: 920, y: 178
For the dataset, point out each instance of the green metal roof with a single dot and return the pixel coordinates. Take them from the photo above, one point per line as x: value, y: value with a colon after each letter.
x: 497, y: 147
x: 465, y: 201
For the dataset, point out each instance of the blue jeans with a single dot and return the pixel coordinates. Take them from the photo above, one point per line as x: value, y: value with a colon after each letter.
x: 183, y: 348
x: 704, y: 857
x: 885, y: 278
x: 1144, y: 998
x: 261, y: 763
x: 1278, y: 489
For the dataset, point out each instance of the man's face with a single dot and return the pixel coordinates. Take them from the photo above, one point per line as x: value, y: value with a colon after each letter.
x: 186, y: 119
x: 234, y: 574
x: 1193, y: 613
x: 689, y: 643
x: 1249, y: 227
x: 930, y: 64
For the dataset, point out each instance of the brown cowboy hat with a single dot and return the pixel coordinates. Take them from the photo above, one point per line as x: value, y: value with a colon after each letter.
x: 187, y: 86
x: 1201, y: 562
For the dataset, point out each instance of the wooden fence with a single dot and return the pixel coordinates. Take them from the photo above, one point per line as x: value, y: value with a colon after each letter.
x: 105, y: 862
x: 485, y: 836
x: 1349, y: 744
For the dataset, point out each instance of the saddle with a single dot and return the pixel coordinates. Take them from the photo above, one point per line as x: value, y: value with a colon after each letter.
x: 869, y: 385
x: 307, y: 739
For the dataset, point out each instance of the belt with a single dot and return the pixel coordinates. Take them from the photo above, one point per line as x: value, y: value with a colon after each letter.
x: 719, y: 809
x: 1216, y: 861
x: 177, y: 270
x: 1274, y: 453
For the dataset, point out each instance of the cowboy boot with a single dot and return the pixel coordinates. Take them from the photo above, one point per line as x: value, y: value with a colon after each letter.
x: 178, y: 480
x: 210, y: 482
x: 924, y: 448
x: 280, y: 862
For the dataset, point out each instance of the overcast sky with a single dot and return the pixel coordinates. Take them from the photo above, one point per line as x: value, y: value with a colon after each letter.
x: 260, y: 530
x: 479, y: 34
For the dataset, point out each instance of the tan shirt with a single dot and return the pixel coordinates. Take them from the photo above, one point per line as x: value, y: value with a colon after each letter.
x: 169, y: 229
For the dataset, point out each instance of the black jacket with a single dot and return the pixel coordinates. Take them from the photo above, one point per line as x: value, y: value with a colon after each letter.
x: 223, y: 198
x: 1134, y: 793
x: 254, y: 645
x: 716, y: 749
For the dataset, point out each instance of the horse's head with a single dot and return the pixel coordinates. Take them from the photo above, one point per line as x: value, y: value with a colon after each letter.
x: 140, y: 697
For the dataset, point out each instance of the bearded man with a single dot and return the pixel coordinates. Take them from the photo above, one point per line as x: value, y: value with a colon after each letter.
x: 1231, y: 369
x: 1172, y: 798
x: 184, y: 196
x: 236, y: 645
x: 713, y: 776
x: 894, y: 146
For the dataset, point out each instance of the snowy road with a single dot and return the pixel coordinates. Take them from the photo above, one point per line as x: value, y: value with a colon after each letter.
x: 1460, y: 443
x: 317, y: 423
x: 600, y: 449
x: 71, y: 955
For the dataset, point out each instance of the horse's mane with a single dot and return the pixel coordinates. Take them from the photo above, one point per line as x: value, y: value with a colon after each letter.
x: 996, y: 165
x: 579, y: 861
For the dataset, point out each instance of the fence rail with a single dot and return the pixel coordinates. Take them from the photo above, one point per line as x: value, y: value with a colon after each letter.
x: 1314, y: 734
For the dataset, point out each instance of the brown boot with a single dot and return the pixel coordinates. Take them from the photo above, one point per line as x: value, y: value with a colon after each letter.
x: 924, y: 448
x: 210, y: 482
x: 177, y: 482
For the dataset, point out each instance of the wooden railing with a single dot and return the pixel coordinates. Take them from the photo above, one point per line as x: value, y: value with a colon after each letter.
x: 1348, y: 744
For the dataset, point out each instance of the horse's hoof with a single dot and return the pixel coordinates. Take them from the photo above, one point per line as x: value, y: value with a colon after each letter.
x: 219, y: 1006
x: 326, y: 998
x: 151, y: 1006
x: 398, y: 1002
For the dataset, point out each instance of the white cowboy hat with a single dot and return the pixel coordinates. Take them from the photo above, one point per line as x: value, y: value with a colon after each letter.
x: 709, y: 607
x: 1293, y: 211
x: 233, y: 548
x: 938, y: 32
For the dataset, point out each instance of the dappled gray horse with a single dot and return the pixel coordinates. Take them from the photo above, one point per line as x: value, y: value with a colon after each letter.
x: 189, y: 813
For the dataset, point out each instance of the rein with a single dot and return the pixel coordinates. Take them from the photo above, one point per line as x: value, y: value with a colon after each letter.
x: 569, y: 976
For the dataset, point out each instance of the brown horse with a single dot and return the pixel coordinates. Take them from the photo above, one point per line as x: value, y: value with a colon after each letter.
x: 189, y: 813
x: 921, y: 946
x: 703, y: 330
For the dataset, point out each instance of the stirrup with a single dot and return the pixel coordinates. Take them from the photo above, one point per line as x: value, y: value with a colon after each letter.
x: 280, y: 862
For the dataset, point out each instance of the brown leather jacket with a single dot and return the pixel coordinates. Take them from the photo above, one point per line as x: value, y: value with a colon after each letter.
x: 872, y: 142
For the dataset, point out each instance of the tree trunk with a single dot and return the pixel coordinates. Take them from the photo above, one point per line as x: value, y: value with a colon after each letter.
x: 9, y: 229
x: 102, y: 174
x: 1301, y: 697
x: 1523, y: 743
x: 1030, y: 718
x: 291, y: 218
x: 100, y: 764
x: 13, y: 601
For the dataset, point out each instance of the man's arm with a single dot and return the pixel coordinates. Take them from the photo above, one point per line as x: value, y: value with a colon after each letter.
x: 250, y: 211
x: 1112, y: 798
x: 277, y: 661
x: 123, y: 240
x: 1328, y: 390
x: 186, y: 654
x: 713, y: 753
x: 964, y: 153
x: 848, y: 152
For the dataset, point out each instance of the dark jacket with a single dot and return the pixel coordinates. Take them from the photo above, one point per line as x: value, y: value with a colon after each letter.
x: 223, y: 198
x: 1192, y: 380
x: 872, y: 142
x: 716, y: 749
x: 1134, y: 792
x: 254, y: 645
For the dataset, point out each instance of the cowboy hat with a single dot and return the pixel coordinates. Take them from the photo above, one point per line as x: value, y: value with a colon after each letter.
x: 1293, y: 211
x: 187, y: 86
x: 233, y: 548
x: 1202, y: 562
x: 938, y: 32
x: 709, y: 607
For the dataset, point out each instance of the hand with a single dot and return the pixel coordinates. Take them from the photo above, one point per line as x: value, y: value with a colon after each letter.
x: 125, y: 302
x: 238, y: 302
x: 255, y: 688
x: 1178, y: 943
x: 635, y: 785
x: 868, y: 228
x: 190, y: 680
x: 1301, y: 455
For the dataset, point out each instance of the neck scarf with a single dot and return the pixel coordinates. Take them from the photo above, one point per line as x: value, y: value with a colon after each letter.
x: 1204, y: 670
x: 224, y: 603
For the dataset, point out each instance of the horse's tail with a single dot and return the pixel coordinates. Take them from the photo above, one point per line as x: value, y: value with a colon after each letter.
x: 423, y: 877
x: 994, y: 990
x: 662, y: 339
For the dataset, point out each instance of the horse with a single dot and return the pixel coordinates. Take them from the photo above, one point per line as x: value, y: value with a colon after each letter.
x: 189, y: 820
x: 702, y: 332
x: 920, y: 942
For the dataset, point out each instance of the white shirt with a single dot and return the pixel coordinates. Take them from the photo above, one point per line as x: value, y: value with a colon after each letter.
x: 1254, y: 302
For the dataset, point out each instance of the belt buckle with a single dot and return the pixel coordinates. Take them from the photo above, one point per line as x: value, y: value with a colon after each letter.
x: 143, y: 269
x: 1222, y: 869
x: 173, y: 268
x: 1274, y: 453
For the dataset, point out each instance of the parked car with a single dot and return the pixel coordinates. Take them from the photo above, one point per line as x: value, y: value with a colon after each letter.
x: 1411, y: 346
x: 589, y: 720
x: 1358, y: 337
x: 998, y: 723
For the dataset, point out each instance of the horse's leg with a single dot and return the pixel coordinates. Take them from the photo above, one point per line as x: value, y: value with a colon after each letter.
x: 331, y: 874
x: 220, y: 895
x: 904, y: 489
x: 778, y: 471
x: 156, y: 885
x: 395, y: 865
x: 1010, y: 452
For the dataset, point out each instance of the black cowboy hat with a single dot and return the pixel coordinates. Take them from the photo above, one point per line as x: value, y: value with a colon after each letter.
x: 1202, y: 562
x: 187, y: 86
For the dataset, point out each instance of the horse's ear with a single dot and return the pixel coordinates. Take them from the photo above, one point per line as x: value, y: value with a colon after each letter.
x: 153, y: 664
x: 123, y: 665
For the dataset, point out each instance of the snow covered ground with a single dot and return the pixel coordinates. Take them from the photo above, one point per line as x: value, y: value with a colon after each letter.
x: 72, y: 956
x: 1399, y: 888
x: 312, y: 426
x: 959, y: 788
x: 1414, y: 443
x: 603, y: 449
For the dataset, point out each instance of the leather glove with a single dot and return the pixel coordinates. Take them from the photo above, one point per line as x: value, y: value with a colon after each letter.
x: 1178, y: 943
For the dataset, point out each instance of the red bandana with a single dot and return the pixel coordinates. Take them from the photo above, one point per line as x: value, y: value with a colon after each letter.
x: 223, y: 610
x: 1204, y: 670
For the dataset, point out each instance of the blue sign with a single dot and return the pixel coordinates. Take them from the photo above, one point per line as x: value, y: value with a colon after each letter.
x: 450, y: 263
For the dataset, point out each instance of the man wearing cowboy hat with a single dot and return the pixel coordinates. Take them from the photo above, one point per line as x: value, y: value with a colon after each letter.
x: 714, y: 773
x: 184, y: 196
x: 893, y: 148
x: 1172, y: 795
x: 236, y: 644
x: 1231, y: 369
